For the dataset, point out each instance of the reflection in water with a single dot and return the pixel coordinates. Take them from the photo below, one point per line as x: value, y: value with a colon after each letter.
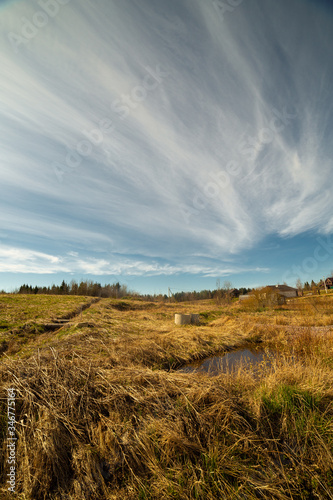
x: 231, y: 361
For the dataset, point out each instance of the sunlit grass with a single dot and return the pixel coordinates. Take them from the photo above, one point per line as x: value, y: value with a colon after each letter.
x: 103, y: 413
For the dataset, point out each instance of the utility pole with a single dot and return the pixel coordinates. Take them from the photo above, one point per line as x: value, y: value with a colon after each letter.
x: 325, y: 284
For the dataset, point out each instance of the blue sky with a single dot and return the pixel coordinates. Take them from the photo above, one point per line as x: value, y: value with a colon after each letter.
x: 166, y: 143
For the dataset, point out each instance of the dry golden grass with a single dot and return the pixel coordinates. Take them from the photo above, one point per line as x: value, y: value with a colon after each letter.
x: 102, y: 412
x: 25, y: 318
x: 16, y: 310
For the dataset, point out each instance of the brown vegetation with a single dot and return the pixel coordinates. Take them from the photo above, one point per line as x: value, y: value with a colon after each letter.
x: 102, y: 412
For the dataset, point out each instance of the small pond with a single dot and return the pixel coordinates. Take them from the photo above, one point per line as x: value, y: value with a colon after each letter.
x: 248, y: 357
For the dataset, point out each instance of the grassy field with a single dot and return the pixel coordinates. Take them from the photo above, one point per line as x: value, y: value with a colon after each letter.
x: 102, y: 412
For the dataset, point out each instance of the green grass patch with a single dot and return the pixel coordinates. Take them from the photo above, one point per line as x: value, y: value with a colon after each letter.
x: 208, y: 316
x: 289, y: 399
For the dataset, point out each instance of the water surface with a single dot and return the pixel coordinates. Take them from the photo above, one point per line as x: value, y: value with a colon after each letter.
x: 249, y: 357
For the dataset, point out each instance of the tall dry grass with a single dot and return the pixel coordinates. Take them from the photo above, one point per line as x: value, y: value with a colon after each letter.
x: 98, y: 417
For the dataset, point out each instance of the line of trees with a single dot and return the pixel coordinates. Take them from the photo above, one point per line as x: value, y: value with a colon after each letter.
x: 89, y: 288
x: 116, y: 290
x: 307, y: 286
x: 219, y: 294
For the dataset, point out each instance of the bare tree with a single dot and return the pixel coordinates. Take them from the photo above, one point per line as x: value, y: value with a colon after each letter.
x: 218, y: 295
x: 227, y: 286
x: 299, y: 286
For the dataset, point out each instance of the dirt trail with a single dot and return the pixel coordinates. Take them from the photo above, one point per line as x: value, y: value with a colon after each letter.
x: 67, y: 318
x: 54, y: 324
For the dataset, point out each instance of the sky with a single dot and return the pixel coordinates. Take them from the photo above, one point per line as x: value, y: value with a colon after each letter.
x: 166, y: 144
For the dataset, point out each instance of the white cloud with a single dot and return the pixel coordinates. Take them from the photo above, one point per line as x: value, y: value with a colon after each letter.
x: 223, y: 91
x: 17, y: 260
x: 20, y: 260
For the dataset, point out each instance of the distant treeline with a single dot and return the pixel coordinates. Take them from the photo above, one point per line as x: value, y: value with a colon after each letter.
x: 116, y: 290
x: 206, y: 294
x: 307, y: 286
x: 89, y: 288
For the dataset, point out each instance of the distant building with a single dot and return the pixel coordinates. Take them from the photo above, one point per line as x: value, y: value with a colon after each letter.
x: 328, y: 282
x: 271, y: 294
x: 234, y: 292
x: 284, y: 290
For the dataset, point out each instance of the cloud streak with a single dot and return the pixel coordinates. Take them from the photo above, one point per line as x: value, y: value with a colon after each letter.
x: 153, y: 180
x: 25, y: 261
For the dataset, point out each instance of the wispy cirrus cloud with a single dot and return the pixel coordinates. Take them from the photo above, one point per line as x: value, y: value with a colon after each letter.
x: 17, y: 260
x: 26, y: 261
x: 184, y: 97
